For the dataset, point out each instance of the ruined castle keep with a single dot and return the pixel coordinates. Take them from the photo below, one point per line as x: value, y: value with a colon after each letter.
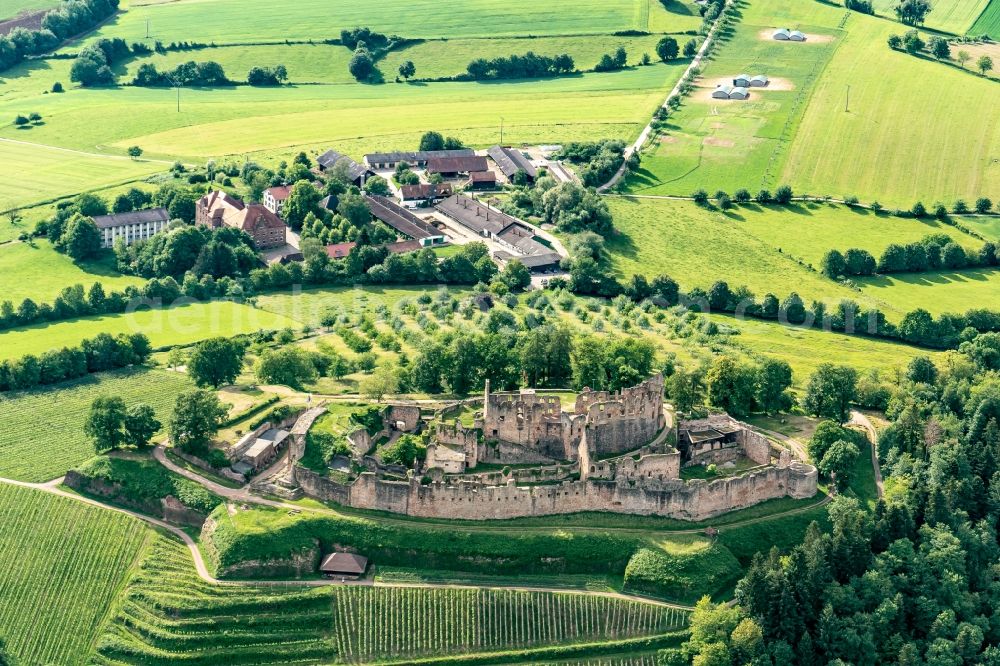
x: 612, y: 453
x: 534, y: 428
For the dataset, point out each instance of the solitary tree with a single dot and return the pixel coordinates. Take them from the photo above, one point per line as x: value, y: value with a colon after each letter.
x: 667, y: 49
x: 140, y: 425
x: 216, y: 362
x: 830, y: 391
x: 407, y: 70
x: 984, y: 64
x: 774, y: 377
x: 963, y: 57
x: 384, y: 381
x: 105, y: 423
x: 135, y: 152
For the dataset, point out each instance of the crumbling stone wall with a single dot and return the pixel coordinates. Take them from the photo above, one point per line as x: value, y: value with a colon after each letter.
x: 687, y: 500
x: 406, y: 416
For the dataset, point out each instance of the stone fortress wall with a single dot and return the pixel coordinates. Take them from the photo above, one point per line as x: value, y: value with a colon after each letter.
x: 642, y: 476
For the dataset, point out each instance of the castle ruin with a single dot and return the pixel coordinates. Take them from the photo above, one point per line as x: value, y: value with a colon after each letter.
x: 613, y: 452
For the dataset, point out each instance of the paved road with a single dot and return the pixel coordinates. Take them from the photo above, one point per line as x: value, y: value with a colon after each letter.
x: 862, y: 421
x: 676, y: 91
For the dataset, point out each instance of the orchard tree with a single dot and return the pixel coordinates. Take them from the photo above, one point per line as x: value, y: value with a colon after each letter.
x: 384, y: 381
x: 105, y: 423
x: 667, y: 49
x: 196, y: 418
x: 216, y: 362
x: 289, y: 366
x: 963, y: 57
x: 140, y: 425
x: 984, y: 64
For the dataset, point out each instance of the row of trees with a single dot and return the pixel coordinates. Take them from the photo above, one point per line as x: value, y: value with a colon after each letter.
x: 191, y: 73
x: 782, y: 196
x: 933, y: 252
x: 527, y: 66
x: 938, y: 47
x: 97, y: 354
x: 70, y: 18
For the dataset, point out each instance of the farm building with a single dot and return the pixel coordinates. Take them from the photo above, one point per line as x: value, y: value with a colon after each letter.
x: 425, y: 193
x: 329, y: 202
x: 218, y: 208
x: 403, y: 221
x: 517, y: 238
x: 482, y: 180
x: 357, y: 173
x: 453, y: 166
x: 742, y: 81
x: 511, y: 161
x: 723, y: 91
x: 264, y: 450
x: 345, y: 565
x: 759, y: 81
x: 417, y: 158
x: 131, y: 227
x: 402, y: 247
x: 786, y: 35
x: 538, y: 263
x: 274, y: 198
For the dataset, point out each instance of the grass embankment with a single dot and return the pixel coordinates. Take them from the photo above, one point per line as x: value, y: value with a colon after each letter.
x: 66, y: 566
x: 140, y: 482
x: 209, y: 623
x: 41, y: 432
x: 267, y: 535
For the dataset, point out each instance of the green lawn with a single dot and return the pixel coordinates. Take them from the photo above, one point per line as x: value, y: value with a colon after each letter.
x: 165, y: 327
x: 71, y: 562
x: 45, y: 172
x: 896, y: 144
x: 697, y: 247
x: 936, y: 292
x: 988, y: 22
x: 955, y: 16
x: 987, y: 226
x: 804, y: 349
x: 226, y: 21
x: 40, y: 273
x: 29, y: 452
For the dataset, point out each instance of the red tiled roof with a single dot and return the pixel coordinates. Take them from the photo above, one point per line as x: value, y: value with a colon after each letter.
x: 482, y: 177
x: 280, y: 193
x: 339, y: 250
